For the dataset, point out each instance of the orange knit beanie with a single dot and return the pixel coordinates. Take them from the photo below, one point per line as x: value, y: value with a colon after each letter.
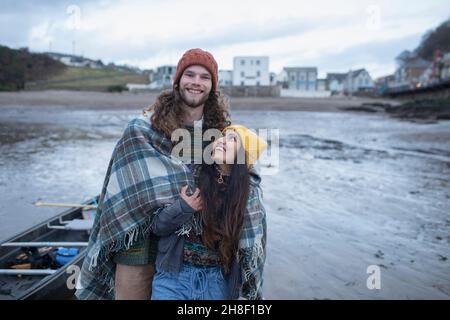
x: 197, y: 57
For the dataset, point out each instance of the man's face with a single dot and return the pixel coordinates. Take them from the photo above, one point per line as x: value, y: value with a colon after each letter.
x: 195, y: 85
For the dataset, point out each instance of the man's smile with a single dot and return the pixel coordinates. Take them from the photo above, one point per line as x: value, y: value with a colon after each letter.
x: 194, y: 91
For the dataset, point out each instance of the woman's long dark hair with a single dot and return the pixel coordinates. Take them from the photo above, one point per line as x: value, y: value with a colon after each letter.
x: 224, y: 209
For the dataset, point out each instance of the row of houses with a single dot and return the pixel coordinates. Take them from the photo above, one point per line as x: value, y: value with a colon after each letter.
x: 253, y: 71
x: 249, y: 71
x: 306, y: 79
x: 415, y: 72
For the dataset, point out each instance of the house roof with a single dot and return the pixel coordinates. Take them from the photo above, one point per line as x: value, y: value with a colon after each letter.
x: 336, y: 76
x: 296, y: 69
x: 357, y: 72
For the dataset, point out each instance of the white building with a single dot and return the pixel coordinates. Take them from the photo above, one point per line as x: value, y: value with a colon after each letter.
x: 225, y: 78
x: 251, y: 71
x: 75, y: 61
x: 358, y: 80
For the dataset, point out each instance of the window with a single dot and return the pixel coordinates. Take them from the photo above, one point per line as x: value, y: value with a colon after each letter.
x: 258, y: 73
x: 257, y: 83
x: 242, y: 74
x: 242, y: 83
x: 257, y: 62
x: 242, y: 62
x: 251, y: 62
x: 292, y: 78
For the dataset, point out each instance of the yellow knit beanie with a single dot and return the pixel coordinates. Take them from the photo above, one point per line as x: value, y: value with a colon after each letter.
x: 252, y: 143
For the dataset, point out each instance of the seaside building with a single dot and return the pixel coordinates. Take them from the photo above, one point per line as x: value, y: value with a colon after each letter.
x: 301, y: 78
x: 358, y: 81
x: 251, y: 71
x: 75, y: 61
x: 382, y: 84
x: 410, y: 68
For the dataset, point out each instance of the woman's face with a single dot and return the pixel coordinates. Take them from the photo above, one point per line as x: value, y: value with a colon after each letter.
x: 225, y: 148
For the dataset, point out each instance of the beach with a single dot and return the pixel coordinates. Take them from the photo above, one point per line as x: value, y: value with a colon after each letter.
x: 128, y: 100
x: 351, y: 189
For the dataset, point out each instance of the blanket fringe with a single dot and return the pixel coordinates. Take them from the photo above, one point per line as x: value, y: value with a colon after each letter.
x: 104, y: 276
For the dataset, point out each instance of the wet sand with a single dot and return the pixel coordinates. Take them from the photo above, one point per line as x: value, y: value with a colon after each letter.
x: 127, y: 100
x: 352, y: 189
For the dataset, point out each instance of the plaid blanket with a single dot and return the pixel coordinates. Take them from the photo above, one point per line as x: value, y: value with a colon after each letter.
x: 142, y: 177
x: 252, y: 243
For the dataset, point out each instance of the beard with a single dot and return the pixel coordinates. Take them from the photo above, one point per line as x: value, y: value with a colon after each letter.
x: 193, y: 102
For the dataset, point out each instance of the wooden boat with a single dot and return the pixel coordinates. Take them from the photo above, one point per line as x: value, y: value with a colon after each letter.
x: 70, y: 229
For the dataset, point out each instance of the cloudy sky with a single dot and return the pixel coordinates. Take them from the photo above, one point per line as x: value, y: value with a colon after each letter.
x: 334, y: 36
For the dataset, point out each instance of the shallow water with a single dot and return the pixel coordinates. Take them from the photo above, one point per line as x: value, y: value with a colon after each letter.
x: 352, y: 190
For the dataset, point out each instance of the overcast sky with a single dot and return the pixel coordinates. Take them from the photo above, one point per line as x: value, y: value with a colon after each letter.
x: 334, y: 36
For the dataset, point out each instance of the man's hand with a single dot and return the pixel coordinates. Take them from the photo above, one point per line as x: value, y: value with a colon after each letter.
x: 194, y: 201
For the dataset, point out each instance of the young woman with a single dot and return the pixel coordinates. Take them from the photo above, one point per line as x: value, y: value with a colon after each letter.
x: 212, y: 242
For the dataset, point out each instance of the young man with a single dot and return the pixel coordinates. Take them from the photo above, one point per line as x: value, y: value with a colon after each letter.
x: 130, y: 266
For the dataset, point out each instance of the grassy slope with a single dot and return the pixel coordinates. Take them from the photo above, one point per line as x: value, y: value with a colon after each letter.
x: 90, y: 79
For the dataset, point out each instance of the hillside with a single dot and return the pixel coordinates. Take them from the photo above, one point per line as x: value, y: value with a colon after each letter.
x: 435, y: 39
x: 76, y: 78
x: 20, y: 66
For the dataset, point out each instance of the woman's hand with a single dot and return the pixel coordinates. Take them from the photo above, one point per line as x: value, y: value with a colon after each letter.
x: 194, y: 201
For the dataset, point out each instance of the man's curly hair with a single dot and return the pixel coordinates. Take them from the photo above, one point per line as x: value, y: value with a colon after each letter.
x: 168, y: 115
